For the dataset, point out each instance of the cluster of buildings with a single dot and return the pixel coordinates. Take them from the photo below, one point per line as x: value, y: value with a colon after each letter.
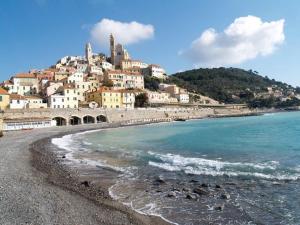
x: 95, y: 80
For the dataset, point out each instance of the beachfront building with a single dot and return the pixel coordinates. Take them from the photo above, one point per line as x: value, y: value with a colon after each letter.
x: 27, y: 123
x: 128, y: 98
x: 4, y: 99
x: 35, y: 102
x: 17, y: 101
x: 106, y: 97
x: 65, y: 97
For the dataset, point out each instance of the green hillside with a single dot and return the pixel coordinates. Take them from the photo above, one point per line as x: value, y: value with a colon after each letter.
x: 232, y: 85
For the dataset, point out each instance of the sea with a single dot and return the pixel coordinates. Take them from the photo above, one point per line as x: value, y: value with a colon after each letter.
x: 241, y: 170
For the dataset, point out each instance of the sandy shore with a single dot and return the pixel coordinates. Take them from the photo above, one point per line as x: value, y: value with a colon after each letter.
x: 36, y: 189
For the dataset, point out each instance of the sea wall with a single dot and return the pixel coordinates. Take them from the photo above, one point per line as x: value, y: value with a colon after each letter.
x: 86, y: 115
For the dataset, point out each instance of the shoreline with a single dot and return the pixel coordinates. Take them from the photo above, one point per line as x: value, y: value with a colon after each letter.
x: 50, y: 174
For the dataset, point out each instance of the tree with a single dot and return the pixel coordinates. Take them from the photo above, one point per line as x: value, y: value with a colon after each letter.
x: 108, y: 83
x: 141, y: 100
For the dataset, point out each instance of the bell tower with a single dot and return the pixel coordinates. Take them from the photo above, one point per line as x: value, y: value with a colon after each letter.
x: 112, y: 49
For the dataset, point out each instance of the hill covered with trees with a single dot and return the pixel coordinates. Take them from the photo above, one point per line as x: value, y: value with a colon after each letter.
x: 233, y: 85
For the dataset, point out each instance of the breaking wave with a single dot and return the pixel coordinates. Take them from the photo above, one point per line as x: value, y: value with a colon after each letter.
x: 201, y: 166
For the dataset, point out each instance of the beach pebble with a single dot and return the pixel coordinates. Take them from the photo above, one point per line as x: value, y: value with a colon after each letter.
x: 171, y: 194
x: 219, y: 207
x: 86, y: 183
x: 225, y: 196
x: 191, y: 196
x: 200, y: 191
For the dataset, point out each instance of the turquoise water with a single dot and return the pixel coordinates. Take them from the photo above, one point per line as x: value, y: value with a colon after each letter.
x: 256, y: 160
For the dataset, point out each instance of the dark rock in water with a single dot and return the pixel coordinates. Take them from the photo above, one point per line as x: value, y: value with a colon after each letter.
x: 205, y: 185
x: 159, y: 181
x: 193, y: 181
x: 200, y: 191
x: 230, y: 183
x: 191, y: 197
x: 218, y: 186
x: 171, y: 194
x: 219, y: 207
x: 85, y: 183
x: 225, y: 196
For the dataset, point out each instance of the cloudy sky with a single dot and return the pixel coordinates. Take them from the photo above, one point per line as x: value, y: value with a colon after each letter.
x: 179, y: 35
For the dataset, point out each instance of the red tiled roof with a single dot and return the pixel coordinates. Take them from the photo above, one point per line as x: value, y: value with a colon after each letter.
x: 17, y: 97
x: 3, y: 91
x: 25, y: 75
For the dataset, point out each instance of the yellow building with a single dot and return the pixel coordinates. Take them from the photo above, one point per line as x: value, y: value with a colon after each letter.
x: 4, y: 99
x: 106, y: 98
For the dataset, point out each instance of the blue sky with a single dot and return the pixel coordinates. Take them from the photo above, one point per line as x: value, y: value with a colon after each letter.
x: 36, y: 33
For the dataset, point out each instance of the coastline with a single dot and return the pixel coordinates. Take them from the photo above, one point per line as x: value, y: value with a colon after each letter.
x: 51, y: 173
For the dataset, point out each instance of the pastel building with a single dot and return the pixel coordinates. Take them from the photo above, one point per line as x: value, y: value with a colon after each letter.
x: 4, y: 99
x: 111, y: 98
x: 125, y: 80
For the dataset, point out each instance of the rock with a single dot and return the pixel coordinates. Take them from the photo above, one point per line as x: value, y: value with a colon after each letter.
x: 219, y: 207
x: 193, y: 181
x: 230, y: 183
x: 159, y: 181
x: 158, y: 191
x: 204, y: 185
x: 225, y: 196
x: 186, y: 190
x: 200, y: 191
x: 85, y: 183
x: 218, y: 186
x: 63, y: 156
x: 171, y: 194
x: 191, y: 197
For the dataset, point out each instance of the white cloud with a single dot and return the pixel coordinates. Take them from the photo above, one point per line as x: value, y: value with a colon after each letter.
x: 245, y: 39
x: 125, y: 33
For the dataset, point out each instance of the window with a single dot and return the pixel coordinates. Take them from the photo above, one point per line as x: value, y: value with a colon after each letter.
x: 1, y: 99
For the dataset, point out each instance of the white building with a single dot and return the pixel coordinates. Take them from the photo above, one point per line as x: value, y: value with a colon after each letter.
x: 27, y: 123
x: 158, y: 97
x: 128, y: 99
x: 35, y: 102
x: 183, y: 97
x: 17, y: 101
x: 155, y: 71
x: 66, y: 97
x: 25, y: 84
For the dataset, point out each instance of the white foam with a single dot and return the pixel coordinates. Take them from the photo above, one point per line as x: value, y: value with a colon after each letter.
x: 178, y: 160
x: 200, y: 166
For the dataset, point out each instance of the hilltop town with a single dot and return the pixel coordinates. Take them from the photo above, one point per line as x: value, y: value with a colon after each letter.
x: 95, y: 80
